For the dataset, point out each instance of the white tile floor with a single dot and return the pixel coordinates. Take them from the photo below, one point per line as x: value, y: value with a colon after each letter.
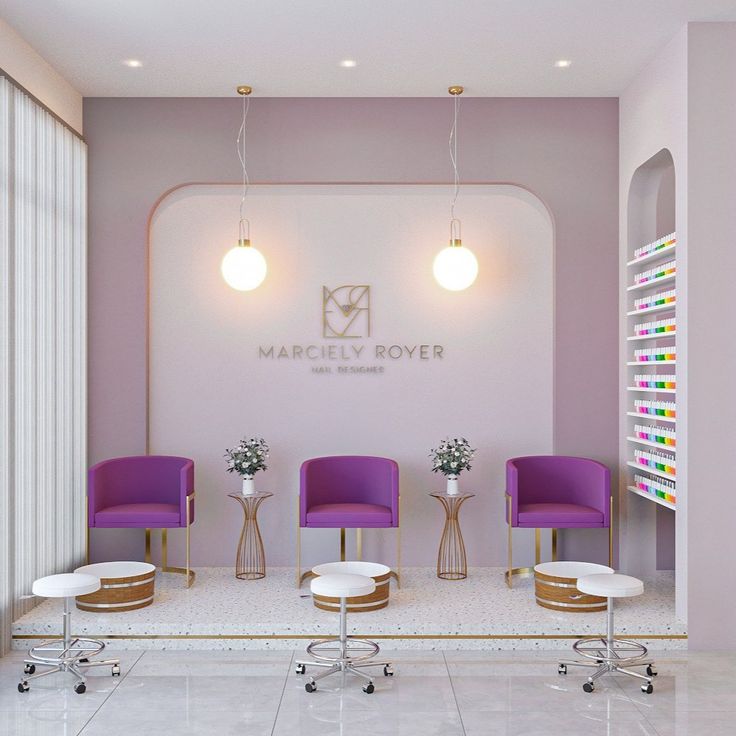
x: 448, y: 693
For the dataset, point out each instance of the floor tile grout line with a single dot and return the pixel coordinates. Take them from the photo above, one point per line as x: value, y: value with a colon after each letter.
x: 113, y: 691
x: 454, y: 695
x: 283, y: 690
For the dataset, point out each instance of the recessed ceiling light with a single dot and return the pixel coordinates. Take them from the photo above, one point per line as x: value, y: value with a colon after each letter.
x: 563, y: 63
x: 348, y: 63
x: 133, y: 63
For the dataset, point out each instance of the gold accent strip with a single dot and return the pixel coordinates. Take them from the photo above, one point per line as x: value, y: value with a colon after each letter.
x: 124, y: 604
x: 107, y: 586
x: 652, y: 637
x: 576, y: 606
x: 350, y: 605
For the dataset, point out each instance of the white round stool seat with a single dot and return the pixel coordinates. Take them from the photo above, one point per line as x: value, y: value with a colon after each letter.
x: 342, y: 585
x: 571, y: 569
x: 613, y: 585
x: 66, y: 585
x: 352, y: 567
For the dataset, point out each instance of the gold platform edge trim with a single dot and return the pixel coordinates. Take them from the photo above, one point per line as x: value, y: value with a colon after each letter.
x: 651, y: 637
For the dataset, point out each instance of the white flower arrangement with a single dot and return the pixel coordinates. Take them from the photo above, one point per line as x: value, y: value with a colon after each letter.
x: 452, y: 456
x: 248, y: 457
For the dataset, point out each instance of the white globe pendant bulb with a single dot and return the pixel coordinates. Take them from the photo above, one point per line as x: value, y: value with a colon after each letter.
x: 244, y: 267
x: 455, y: 267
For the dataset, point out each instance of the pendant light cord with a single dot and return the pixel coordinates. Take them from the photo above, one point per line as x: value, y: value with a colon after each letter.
x: 244, y: 225
x: 454, y: 222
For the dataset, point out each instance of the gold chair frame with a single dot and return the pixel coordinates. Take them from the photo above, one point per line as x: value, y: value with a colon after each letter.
x: 527, y: 571
x: 190, y: 574
x: 301, y: 577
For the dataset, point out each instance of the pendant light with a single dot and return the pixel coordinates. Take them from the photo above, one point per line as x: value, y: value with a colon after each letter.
x: 455, y: 267
x: 243, y: 266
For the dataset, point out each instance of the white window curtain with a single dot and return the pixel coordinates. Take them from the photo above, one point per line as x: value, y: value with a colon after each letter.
x: 42, y: 350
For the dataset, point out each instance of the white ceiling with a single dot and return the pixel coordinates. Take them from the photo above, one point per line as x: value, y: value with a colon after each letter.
x: 407, y: 48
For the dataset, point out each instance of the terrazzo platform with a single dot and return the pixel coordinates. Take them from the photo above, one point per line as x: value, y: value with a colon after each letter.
x: 222, y: 612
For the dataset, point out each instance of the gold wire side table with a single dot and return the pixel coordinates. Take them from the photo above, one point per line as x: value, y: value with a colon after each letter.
x: 451, y: 561
x: 250, y: 561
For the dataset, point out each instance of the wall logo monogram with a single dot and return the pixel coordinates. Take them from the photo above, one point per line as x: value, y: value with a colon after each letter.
x: 346, y: 311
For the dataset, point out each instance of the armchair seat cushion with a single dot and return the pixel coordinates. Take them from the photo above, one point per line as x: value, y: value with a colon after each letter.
x: 349, y: 515
x: 139, y: 515
x: 558, y: 515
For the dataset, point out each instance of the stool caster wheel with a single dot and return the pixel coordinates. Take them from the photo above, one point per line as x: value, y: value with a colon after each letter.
x: 80, y: 688
x: 310, y: 687
x: 647, y: 688
x: 23, y: 687
x: 588, y: 687
x: 116, y: 670
x: 561, y: 669
x: 369, y: 688
x: 29, y: 669
x: 651, y: 671
x: 301, y: 669
x: 388, y: 672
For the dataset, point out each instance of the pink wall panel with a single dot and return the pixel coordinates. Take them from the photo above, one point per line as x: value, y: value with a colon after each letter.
x: 564, y: 150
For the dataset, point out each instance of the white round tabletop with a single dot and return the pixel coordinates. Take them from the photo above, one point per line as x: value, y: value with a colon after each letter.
x: 356, y: 567
x: 611, y: 586
x: 122, y: 569
x: 66, y: 585
x: 571, y: 569
x: 342, y: 586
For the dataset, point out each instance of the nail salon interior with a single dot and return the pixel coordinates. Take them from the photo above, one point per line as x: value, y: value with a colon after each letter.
x: 360, y: 368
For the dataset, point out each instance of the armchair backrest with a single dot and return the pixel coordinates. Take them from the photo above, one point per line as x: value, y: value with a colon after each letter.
x: 140, y: 479
x: 349, y: 479
x: 558, y: 479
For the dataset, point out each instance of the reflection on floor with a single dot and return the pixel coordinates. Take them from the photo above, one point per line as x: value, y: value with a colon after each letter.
x: 477, y: 613
x: 447, y: 693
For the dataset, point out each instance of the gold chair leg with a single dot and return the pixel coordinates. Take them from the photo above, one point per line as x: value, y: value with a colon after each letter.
x: 537, y: 546
x: 359, y: 543
x: 554, y: 545
x: 342, y: 545
x: 398, y: 555
x: 86, y: 529
x: 190, y: 574
x: 164, y: 548
x: 509, y: 572
x: 610, y: 535
x: 298, y: 546
x: 186, y: 571
x: 148, y: 546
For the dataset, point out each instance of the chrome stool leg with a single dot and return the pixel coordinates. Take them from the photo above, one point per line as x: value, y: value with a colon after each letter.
x: 350, y: 659
x: 65, y: 655
x: 611, y: 656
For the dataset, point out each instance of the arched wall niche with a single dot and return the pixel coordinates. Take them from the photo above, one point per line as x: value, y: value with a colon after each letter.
x: 652, y: 532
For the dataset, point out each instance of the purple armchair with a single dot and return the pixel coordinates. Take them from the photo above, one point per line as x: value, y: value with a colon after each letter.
x: 144, y: 492
x: 348, y: 492
x: 556, y: 492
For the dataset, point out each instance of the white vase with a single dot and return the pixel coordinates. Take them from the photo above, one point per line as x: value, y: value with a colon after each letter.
x: 452, y: 485
x: 249, y: 485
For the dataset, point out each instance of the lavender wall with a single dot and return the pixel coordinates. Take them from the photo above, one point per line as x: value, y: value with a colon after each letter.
x: 711, y: 189
x: 564, y: 150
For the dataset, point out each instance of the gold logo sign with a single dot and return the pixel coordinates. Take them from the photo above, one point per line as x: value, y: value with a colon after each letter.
x: 346, y: 311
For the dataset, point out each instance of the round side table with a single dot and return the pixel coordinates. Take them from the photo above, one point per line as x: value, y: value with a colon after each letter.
x: 250, y: 562
x: 451, y: 561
